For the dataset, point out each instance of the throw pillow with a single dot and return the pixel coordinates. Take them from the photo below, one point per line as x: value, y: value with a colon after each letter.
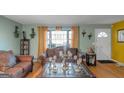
x: 69, y: 54
x: 61, y: 53
x: 12, y: 60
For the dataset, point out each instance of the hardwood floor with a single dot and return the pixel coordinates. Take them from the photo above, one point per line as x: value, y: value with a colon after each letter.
x: 108, y: 70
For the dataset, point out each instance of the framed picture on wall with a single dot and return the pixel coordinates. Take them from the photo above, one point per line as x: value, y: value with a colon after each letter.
x: 121, y: 35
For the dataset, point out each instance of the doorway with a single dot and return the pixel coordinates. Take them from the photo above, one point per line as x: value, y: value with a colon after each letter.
x: 103, y: 44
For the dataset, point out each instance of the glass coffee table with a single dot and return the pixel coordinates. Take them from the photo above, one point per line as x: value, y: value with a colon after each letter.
x: 71, y: 72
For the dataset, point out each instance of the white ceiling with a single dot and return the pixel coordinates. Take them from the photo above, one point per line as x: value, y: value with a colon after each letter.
x: 65, y: 19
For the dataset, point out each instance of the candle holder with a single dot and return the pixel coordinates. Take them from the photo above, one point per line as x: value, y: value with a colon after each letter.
x: 33, y: 33
x: 16, y: 33
x: 90, y: 35
x: 83, y: 33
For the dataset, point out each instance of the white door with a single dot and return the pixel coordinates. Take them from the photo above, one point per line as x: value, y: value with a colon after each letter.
x: 103, y: 44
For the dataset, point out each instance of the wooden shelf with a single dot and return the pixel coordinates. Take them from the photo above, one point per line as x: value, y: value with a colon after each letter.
x: 24, y: 47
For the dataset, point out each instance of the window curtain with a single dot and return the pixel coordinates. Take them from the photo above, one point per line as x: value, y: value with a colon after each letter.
x: 75, y: 36
x: 42, y: 31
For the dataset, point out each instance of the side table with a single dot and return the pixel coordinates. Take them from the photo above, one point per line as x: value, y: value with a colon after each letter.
x: 91, y: 59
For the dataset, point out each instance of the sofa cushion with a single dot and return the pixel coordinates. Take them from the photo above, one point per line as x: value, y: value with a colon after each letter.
x: 15, y: 72
x: 24, y: 65
x: 4, y: 68
x: 3, y: 63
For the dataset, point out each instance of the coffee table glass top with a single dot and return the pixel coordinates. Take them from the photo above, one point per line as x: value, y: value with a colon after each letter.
x: 70, y: 72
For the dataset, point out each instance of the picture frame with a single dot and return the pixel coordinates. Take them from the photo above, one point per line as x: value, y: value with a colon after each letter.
x: 121, y: 35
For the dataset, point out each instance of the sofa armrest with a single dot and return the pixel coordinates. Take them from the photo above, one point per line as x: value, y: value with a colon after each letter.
x: 24, y: 58
x: 42, y: 59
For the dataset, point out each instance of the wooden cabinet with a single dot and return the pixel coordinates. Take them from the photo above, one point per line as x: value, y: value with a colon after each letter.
x: 24, y: 47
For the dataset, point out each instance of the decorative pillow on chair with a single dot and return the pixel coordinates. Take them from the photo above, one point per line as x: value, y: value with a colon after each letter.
x: 61, y: 53
x: 75, y: 57
x: 12, y: 60
x: 54, y: 57
x: 69, y: 54
x: 79, y: 61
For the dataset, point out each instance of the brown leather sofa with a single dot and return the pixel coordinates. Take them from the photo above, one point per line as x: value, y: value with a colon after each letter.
x: 50, y: 52
x: 19, y: 69
x: 55, y: 51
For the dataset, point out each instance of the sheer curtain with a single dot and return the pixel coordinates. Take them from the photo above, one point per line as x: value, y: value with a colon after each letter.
x: 42, y: 31
x: 75, y: 36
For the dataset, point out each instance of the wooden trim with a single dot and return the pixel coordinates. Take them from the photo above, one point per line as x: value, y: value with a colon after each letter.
x: 117, y: 36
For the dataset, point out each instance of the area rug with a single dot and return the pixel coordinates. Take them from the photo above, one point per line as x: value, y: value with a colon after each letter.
x: 106, y: 61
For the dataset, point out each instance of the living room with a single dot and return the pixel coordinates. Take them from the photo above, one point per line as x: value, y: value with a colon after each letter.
x: 29, y: 65
x: 44, y: 32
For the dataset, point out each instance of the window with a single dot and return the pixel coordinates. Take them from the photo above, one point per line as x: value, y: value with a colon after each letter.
x: 58, y: 38
x: 121, y: 35
x: 102, y: 34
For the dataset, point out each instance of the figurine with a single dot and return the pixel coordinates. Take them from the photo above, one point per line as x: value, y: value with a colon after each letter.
x: 90, y: 50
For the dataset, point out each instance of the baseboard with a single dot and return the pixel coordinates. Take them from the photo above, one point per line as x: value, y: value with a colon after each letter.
x: 118, y: 62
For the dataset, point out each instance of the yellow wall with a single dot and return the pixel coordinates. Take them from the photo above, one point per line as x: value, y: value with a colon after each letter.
x: 117, y: 48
